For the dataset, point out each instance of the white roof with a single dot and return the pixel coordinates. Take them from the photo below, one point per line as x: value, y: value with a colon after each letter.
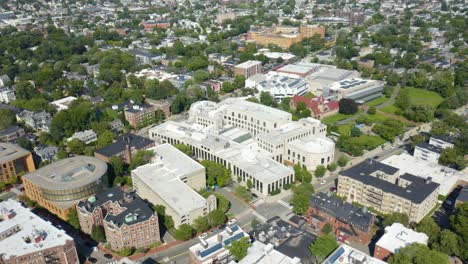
x: 260, y: 253
x: 260, y: 111
x: 397, y: 236
x: 248, y: 64
x: 349, y: 255
x: 163, y: 175
x: 30, y: 226
x: 445, y: 176
x: 63, y: 103
x: 313, y: 144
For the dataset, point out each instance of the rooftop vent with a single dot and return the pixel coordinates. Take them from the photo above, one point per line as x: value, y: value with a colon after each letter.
x: 92, y: 199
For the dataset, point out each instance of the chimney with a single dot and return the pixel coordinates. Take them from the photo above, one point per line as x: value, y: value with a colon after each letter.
x: 428, y: 180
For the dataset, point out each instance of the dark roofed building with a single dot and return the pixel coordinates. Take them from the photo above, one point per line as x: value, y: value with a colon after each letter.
x: 463, y: 195
x: 347, y: 220
x: 127, y: 220
x: 11, y: 133
x: 287, y: 238
x: 124, y: 147
x: 380, y: 186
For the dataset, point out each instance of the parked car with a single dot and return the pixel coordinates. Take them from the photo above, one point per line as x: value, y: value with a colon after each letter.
x: 323, y: 182
x: 232, y: 221
x: 203, y: 236
x: 332, y: 189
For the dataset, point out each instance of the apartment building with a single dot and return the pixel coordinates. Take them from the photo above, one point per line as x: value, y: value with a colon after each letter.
x: 348, y: 221
x: 431, y: 151
x: 213, y: 249
x: 124, y: 147
x: 172, y: 179
x: 11, y: 133
x: 248, y: 68
x: 127, y: 220
x: 86, y: 136
x: 14, y: 162
x: 27, y: 238
x: 59, y: 186
x: 345, y: 254
x: 382, y: 187
x: 395, y: 238
x: 141, y: 115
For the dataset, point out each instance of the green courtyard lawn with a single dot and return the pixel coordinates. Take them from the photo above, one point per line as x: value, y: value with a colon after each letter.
x: 330, y: 120
x: 391, y: 109
x: 345, y: 130
x: 377, y: 101
x: 421, y: 96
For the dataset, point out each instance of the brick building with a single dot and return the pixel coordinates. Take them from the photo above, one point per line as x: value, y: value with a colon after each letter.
x: 127, y: 220
x: 348, y: 221
x: 143, y: 115
x: 248, y: 68
x: 284, y: 37
x: 124, y: 147
x: 27, y: 238
x: 319, y: 107
x: 14, y: 161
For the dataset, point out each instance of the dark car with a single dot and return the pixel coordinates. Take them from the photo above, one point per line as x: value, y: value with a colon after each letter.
x: 92, y: 260
x: 332, y: 189
x: 108, y: 256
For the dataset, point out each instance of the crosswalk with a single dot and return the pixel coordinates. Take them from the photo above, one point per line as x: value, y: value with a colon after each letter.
x: 259, y: 216
x: 284, y: 204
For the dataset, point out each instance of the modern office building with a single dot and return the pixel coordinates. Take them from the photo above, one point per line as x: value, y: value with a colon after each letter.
x: 345, y: 254
x: 59, y: 186
x: 348, y: 221
x: 395, y: 238
x: 27, y: 238
x: 279, y: 86
x: 14, y: 162
x: 384, y: 188
x: 124, y: 147
x: 213, y: 249
x: 248, y: 68
x: 360, y: 90
x: 250, y: 139
x: 127, y: 220
x: 172, y: 179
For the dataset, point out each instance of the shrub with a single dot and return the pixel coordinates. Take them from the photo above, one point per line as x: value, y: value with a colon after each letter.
x: 275, y: 191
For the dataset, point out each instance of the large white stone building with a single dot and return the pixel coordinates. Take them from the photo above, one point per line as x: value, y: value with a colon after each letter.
x: 171, y: 179
x: 250, y: 139
x: 279, y: 86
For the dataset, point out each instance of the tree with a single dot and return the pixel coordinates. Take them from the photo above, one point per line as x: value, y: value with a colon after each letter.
x: 447, y: 243
x: 7, y: 118
x: 140, y: 158
x: 396, y: 218
x: 355, y: 132
x: 300, y: 199
x: 98, y: 234
x: 323, y: 246
x: 372, y: 110
x: 418, y: 254
x: 238, y: 248
x: 243, y: 193
x: 332, y: 166
x: 459, y: 225
x: 216, y: 217
x: 201, y: 224
x: 184, y: 232
x: 25, y: 143
x: 168, y: 222
x: 249, y: 184
x: 76, y: 146
x: 73, y: 218
x: 105, y: 139
x: 320, y: 171
x: 327, y: 228
x: 429, y: 227
x: 342, y: 161
x: 185, y: 149
x: 266, y: 99
x: 347, y: 106
x: 452, y: 158
x: 216, y: 173
x: 389, y: 129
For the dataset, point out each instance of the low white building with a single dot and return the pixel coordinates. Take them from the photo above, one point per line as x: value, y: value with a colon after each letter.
x: 86, y: 136
x: 7, y: 95
x: 395, y: 238
x: 172, y: 179
x: 445, y: 176
x: 62, y: 104
x: 345, y: 254
x: 260, y: 253
x: 360, y: 90
x: 431, y: 151
x: 279, y: 86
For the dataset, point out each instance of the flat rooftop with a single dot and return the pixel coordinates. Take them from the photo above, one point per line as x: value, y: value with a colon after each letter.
x: 163, y: 175
x: 261, y: 112
x: 345, y: 254
x: 248, y: 64
x: 10, y: 152
x: 33, y: 233
x: 260, y: 253
x: 298, y: 69
x: 314, y: 144
x: 68, y: 173
x: 445, y: 176
x: 397, y: 236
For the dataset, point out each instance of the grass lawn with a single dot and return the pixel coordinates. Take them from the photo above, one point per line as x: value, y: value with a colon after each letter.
x: 335, y: 118
x: 389, y: 109
x: 377, y: 101
x: 345, y: 130
x: 376, y: 118
x: 421, y: 96
x: 370, y: 142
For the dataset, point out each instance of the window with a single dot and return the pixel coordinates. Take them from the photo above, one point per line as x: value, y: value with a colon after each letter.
x: 322, y: 161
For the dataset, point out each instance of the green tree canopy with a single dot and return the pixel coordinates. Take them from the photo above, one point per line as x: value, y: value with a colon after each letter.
x: 184, y: 232
x: 323, y: 246
x: 216, y: 173
x: 418, y: 254
x: 98, y: 234
x: 239, y: 248
x: 396, y: 218
x: 7, y: 118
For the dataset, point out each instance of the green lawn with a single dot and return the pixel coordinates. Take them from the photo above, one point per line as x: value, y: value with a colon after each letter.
x: 371, y: 119
x: 421, y: 96
x: 377, y: 101
x: 389, y: 109
x: 370, y: 142
x: 335, y: 118
x: 345, y: 130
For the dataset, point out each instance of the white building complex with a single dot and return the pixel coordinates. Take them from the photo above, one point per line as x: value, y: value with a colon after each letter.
x: 251, y: 140
x: 171, y: 179
x: 277, y: 85
x: 360, y: 90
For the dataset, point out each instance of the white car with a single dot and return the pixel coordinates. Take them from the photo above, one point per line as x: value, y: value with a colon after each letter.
x: 232, y: 221
x: 323, y: 182
x: 95, y: 249
x: 203, y: 236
